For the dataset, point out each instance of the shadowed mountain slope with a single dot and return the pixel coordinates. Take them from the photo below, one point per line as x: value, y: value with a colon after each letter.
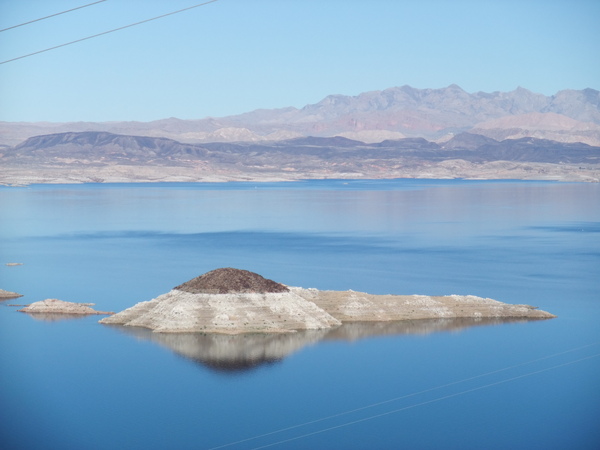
x: 106, y: 157
x: 102, y: 147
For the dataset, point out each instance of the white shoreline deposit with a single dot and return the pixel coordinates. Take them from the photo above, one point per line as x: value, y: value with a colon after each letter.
x: 183, y: 312
x: 351, y: 306
x: 295, y: 308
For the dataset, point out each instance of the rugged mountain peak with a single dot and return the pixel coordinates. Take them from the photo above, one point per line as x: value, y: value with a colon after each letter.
x: 522, y: 90
x: 455, y: 88
x: 409, y: 111
x: 230, y: 280
x: 591, y: 95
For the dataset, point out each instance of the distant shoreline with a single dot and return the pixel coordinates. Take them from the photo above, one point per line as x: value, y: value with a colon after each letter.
x: 11, y: 178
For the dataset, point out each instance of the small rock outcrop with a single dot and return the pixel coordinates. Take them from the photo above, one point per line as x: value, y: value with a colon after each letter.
x: 234, y: 301
x: 227, y: 280
x: 55, y: 306
x: 5, y: 295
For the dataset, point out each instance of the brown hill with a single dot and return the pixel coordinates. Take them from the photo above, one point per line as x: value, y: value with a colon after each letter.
x: 229, y: 280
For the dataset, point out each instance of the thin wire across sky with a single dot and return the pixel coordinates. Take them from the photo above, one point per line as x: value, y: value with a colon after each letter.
x: 51, y: 15
x: 105, y: 32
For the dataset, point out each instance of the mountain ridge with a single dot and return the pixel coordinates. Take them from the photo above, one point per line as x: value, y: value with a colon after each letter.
x: 95, y: 156
x: 404, y: 111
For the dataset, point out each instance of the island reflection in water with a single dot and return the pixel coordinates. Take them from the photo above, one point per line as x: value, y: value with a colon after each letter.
x: 242, y: 352
x: 54, y: 317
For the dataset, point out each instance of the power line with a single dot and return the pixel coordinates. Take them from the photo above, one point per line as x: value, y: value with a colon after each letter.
x: 427, y: 402
x: 414, y: 394
x: 107, y: 32
x: 51, y: 15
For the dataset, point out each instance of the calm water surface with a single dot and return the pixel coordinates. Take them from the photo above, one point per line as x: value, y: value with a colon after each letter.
x: 75, y: 384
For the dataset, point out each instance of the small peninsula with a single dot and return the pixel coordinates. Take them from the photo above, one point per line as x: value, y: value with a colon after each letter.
x: 234, y: 301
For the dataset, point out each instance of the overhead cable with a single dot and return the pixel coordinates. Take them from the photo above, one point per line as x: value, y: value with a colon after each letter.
x: 107, y: 32
x: 51, y: 15
x: 414, y: 394
x: 427, y: 402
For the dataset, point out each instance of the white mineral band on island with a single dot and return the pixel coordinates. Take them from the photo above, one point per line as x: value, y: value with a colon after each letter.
x: 234, y: 301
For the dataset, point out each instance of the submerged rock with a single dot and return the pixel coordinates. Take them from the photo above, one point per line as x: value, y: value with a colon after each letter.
x: 55, y: 306
x: 234, y: 301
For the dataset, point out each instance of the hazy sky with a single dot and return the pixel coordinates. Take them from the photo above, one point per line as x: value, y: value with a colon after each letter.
x: 233, y: 56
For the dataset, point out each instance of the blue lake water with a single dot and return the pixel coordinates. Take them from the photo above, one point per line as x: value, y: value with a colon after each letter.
x: 76, y: 384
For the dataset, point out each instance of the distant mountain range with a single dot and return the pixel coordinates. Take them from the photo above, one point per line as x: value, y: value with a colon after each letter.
x: 94, y: 156
x: 434, y: 114
x: 394, y: 133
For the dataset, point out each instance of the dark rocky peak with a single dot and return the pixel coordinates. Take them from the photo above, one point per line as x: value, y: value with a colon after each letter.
x: 408, y: 143
x: 467, y: 141
x: 101, y: 139
x: 78, y: 138
x: 94, y: 145
x: 93, y: 138
x: 230, y: 280
x: 335, y: 141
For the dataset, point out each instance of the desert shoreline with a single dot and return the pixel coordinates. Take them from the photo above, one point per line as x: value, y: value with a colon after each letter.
x: 10, y: 178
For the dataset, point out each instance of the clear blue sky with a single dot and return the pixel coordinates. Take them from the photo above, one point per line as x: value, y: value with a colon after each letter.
x: 234, y: 56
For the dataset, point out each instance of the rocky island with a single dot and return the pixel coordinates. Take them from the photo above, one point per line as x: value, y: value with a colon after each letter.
x: 234, y: 301
x: 55, y: 306
x: 6, y: 295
